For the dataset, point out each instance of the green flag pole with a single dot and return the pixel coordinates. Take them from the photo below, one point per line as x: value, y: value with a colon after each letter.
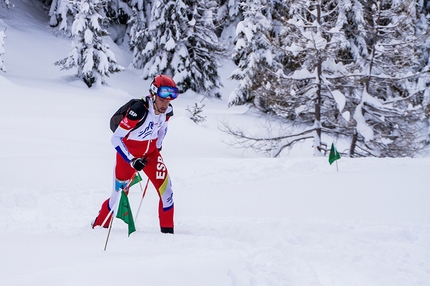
x: 334, y: 156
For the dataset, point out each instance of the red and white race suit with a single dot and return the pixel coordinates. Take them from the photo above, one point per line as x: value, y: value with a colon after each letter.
x: 142, y: 142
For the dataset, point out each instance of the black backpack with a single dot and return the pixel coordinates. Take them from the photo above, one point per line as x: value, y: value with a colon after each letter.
x: 117, y: 117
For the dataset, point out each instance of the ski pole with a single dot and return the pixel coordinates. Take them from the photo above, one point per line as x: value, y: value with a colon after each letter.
x: 107, y: 237
x: 107, y: 217
x: 143, y: 195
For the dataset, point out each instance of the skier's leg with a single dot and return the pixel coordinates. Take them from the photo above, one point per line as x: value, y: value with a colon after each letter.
x: 103, y: 213
x: 159, y: 177
x: 123, y: 173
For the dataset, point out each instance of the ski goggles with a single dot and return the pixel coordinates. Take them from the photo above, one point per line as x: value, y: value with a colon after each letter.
x: 167, y: 92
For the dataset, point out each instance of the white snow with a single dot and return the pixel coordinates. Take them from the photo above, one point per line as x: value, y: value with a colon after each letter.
x: 339, y: 98
x: 170, y: 45
x: 241, y: 218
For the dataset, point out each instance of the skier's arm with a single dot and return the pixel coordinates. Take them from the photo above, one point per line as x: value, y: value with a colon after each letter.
x: 134, y: 115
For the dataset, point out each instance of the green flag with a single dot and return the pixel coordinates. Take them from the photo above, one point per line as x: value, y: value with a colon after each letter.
x: 124, y: 213
x: 334, y: 155
x: 137, y: 178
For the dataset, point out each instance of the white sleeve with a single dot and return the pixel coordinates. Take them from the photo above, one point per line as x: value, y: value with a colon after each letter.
x: 118, y: 144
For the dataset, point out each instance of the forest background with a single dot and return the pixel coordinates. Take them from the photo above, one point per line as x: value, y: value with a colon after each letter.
x: 354, y: 71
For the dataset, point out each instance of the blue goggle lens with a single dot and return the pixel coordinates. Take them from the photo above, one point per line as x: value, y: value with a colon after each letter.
x: 167, y: 92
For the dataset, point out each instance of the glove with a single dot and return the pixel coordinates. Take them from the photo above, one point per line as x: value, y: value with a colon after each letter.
x: 159, y: 149
x: 138, y: 163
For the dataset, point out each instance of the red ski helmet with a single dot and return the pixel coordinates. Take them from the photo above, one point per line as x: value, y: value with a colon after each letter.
x: 164, y: 86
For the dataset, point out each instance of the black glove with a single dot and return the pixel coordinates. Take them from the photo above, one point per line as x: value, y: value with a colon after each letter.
x: 159, y: 149
x: 138, y: 163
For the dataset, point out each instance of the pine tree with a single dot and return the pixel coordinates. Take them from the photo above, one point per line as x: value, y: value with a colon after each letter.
x: 389, y: 114
x: 116, y: 19
x: 162, y: 36
x: 423, y: 50
x: 341, y: 71
x: 181, y: 42
x: 303, y: 41
x: 228, y: 15
x: 252, y: 51
x: 94, y: 60
x: 199, y: 69
x: 138, y: 33
x: 62, y: 14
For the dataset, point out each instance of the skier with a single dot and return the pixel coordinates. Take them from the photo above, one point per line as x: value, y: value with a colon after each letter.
x: 139, y: 149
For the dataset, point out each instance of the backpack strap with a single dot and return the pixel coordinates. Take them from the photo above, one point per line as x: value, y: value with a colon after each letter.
x: 145, y: 104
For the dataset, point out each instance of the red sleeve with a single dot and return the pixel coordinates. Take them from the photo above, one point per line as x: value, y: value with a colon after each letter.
x: 128, y: 124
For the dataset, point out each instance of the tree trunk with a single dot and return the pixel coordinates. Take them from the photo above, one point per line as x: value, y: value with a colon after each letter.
x: 318, y: 98
x: 353, y: 143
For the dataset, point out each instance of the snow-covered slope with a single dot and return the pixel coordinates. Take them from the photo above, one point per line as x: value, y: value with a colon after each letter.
x: 241, y: 218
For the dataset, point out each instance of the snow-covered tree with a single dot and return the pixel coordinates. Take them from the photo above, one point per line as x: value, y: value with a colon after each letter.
x: 228, y: 15
x: 2, y: 37
x: 253, y: 51
x: 389, y: 81
x: 116, y: 19
x: 138, y: 33
x: 94, y: 60
x: 198, y: 69
x: 423, y: 50
x: 285, y: 72
x: 162, y: 34
x: 343, y: 70
x: 182, y: 42
x: 62, y: 14
x: 114, y: 14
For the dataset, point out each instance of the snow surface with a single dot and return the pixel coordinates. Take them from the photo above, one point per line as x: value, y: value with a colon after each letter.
x: 241, y: 218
